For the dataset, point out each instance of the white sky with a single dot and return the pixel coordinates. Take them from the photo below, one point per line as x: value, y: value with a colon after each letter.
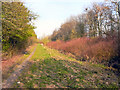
x: 52, y: 13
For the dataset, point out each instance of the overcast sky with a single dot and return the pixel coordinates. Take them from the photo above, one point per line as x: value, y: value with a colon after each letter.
x: 52, y: 13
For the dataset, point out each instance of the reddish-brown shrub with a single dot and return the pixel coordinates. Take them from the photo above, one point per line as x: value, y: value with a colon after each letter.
x: 55, y: 44
x: 93, y: 49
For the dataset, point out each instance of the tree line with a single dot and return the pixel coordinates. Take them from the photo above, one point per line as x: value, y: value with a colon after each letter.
x: 17, y: 27
x: 101, y: 19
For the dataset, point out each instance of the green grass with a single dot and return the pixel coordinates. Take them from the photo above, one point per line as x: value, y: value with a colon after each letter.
x: 40, y: 53
x: 49, y: 68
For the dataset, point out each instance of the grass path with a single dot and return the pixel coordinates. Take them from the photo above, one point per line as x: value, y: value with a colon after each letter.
x: 50, y: 69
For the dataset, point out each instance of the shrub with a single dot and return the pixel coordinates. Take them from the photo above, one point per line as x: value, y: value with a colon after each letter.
x: 92, y: 49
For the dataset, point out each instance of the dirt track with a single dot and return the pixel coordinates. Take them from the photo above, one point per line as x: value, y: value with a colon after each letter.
x: 7, y: 83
